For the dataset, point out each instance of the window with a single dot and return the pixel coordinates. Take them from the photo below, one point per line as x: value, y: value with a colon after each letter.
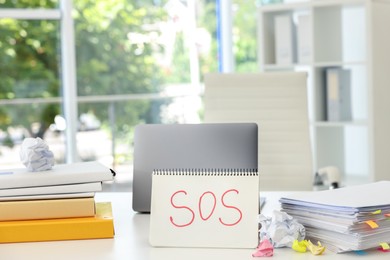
x: 30, y: 76
x: 139, y: 62
x: 245, y: 35
x: 135, y: 62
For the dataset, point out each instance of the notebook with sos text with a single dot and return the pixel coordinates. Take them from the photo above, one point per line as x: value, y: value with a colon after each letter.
x: 214, y: 208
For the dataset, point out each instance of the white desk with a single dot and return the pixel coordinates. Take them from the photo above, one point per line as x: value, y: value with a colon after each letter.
x: 131, y: 242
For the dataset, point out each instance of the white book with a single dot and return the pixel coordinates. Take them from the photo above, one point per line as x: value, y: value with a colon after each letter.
x: 54, y: 189
x: 61, y: 174
x: 284, y: 40
x: 304, y: 39
x: 50, y: 196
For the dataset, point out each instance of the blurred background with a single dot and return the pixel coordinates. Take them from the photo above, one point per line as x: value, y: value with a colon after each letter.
x: 135, y: 62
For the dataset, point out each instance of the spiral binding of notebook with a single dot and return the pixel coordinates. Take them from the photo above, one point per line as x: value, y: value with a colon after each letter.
x: 205, y: 208
x: 207, y: 172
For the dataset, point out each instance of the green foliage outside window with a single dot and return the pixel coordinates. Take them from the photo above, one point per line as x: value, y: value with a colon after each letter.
x: 108, y: 62
x: 110, y: 59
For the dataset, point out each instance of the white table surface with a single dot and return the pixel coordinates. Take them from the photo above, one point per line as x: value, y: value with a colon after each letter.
x: 131, y: 241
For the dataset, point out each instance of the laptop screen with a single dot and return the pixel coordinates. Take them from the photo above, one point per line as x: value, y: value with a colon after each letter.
x: 189, y: 146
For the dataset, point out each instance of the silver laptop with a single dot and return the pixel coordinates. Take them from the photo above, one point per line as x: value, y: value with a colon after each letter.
x: 189, y: 146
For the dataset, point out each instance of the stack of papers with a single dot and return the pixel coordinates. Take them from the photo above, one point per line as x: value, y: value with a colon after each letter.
x: 345, y: 219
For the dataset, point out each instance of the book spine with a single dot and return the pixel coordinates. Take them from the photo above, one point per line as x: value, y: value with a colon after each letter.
x: 55, y: 189
x: 49, y: 196
x: 304, y: 39
x: 285, y: 41
x: 338, y: 99
x: 47, y: 209
x: 100, y: 226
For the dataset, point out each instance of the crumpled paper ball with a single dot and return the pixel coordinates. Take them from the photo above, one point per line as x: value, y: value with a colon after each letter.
x: 281, y: 229
x: 35, y: 155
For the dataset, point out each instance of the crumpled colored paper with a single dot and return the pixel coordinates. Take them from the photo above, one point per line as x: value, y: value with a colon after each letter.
x: 315, y: 249
x: 265, y: 249
x: 303, y: 245
x: 299, y: 246
x: 281, y: 229
x: 35, y: 155
x: 384, y: 247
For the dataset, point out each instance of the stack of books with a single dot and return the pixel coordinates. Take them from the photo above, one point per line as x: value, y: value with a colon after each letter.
x: 58, y: 204
x: 346, y: 219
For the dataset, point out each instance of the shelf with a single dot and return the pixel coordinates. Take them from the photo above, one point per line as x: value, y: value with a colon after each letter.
x: 343, y: 46
x: 281, y: 67
x: 315, y: 65
x: 338, y: 63
x: 330, y: 35
x: 294, y: 6
x: 271, y: 8
x: 339, y: 124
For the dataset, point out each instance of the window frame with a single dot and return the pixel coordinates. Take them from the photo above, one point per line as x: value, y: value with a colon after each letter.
x: 69, y: 98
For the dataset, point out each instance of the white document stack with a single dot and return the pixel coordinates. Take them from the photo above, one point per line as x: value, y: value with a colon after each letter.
x: 345, y: 219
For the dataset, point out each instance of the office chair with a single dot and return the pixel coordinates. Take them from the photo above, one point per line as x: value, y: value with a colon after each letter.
x: 277, y: 102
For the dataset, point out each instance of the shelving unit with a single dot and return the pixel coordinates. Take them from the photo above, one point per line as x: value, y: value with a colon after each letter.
x: 347, y: 34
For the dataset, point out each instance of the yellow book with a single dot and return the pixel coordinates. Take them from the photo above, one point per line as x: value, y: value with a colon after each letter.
x: 47, y: 209
x: 99, y: 226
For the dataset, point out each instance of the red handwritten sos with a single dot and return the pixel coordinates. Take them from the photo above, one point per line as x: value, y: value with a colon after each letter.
x: 203, y: 216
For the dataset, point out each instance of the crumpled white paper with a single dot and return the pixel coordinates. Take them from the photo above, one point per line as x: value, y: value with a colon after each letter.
x: 35, y: 155
x: 281, y: 229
